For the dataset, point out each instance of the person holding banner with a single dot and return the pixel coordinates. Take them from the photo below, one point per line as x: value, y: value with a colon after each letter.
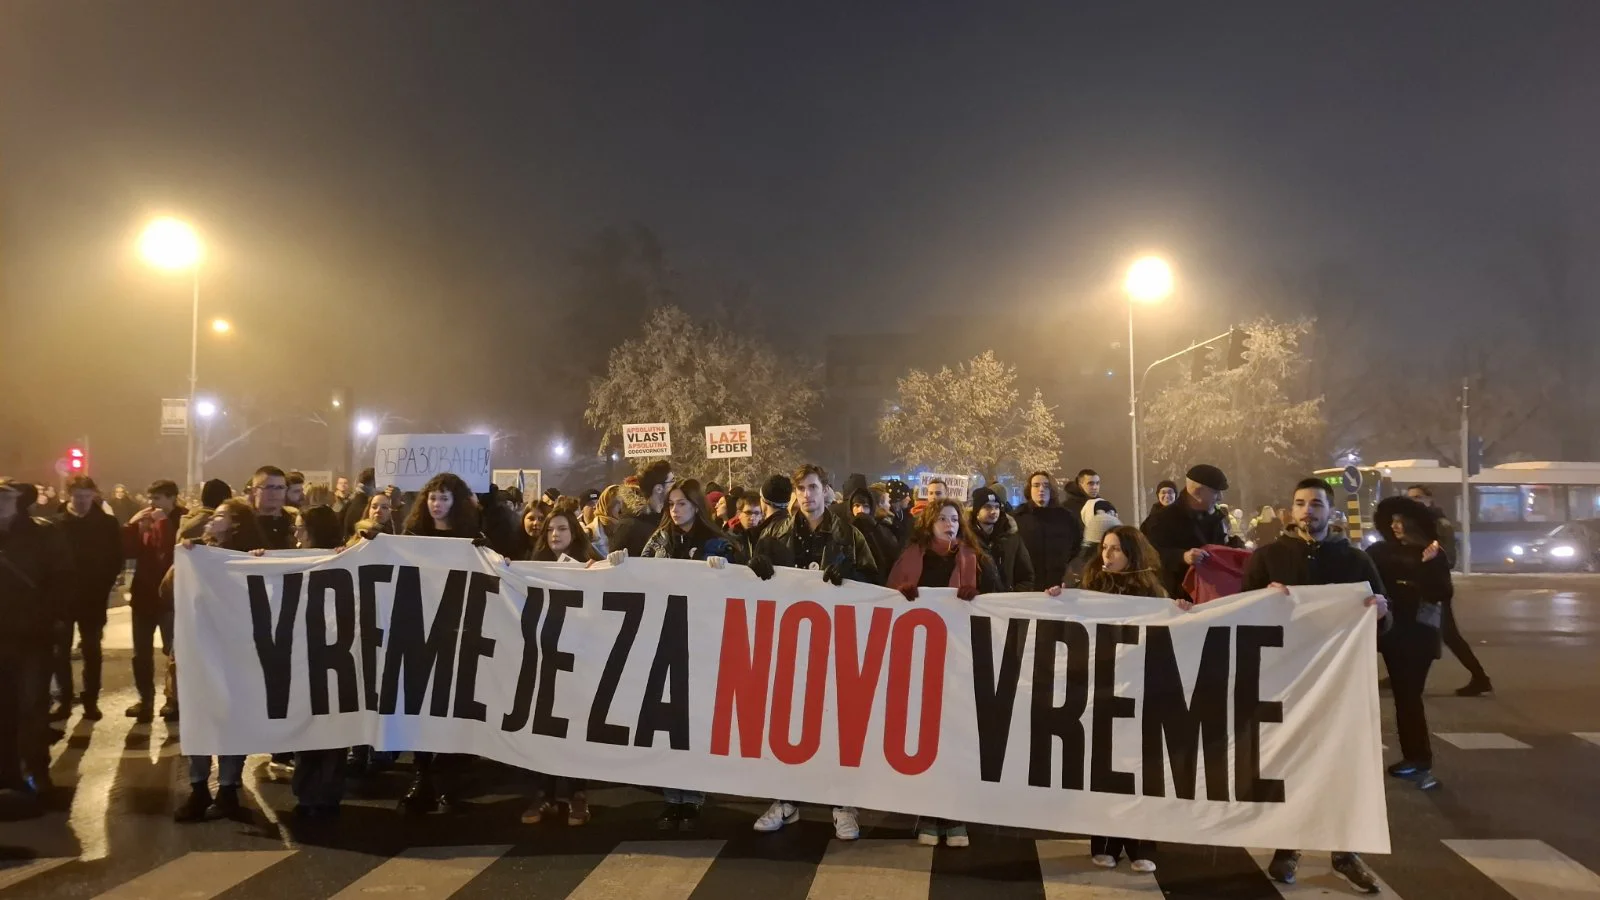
x: 1127, y: 566
x: 687, y: 532
x: 813, y: 539
x: 1313, y: 553
x: 944, y: 554
x: 445, y: 507
x: 563, y: 535
x: 232, y: 527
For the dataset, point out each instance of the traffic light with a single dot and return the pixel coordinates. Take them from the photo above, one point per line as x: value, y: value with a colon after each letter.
x: 1474, y: 454
x: 77, y: 461
x: 1236, y: 339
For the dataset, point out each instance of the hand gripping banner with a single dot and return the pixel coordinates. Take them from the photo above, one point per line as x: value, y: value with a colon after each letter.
x: 1249, y: 721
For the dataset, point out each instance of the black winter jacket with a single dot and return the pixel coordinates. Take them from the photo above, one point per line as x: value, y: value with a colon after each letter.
x: 881, y: 539
x: 35, y: 565
x: 1051, y: 535
x: 1174, y: 530
x: 786, y: 542
x: 95, y: 544
x: 1004, y: 546
x: 634, y: 532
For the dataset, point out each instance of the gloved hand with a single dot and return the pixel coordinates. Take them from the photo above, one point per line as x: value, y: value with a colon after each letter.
x: 967, y: 592
x: 835, y: 571
x: 717, y: 562
x: 910, y: 593
x: 762, y: 567
x: 617, y: 557
x: 480, y: 541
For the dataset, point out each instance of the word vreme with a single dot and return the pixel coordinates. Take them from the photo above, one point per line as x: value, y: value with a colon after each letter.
x: 761, y: 695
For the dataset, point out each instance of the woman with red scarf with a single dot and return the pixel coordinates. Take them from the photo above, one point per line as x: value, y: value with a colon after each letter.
x: 944, y: 554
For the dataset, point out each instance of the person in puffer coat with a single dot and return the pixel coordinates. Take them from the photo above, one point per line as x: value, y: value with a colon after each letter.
x: 997, y: 534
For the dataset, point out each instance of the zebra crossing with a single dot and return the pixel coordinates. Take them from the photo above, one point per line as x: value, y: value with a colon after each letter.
x: 877, y: 868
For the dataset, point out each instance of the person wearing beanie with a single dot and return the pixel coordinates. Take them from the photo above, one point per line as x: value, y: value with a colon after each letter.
x: 775, y: 496
x: 1099, y: 517
x: 1178, y: 532
x: 996, y: 532
x: 212, y: 495
x: 864, y: 507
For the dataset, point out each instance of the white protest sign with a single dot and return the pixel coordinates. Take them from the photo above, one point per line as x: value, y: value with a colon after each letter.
x: 407, y: 461
x: 529, y: 481
x: 651, y: 439
x: 956, y: 485
x: 1249, y: 721
x: 727, y: 441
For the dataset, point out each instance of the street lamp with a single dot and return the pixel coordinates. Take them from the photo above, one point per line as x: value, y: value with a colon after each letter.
x: 365, y: 428
x: 205, y: 409
x: 1149, y: 281
x: 221, y: 326
x: 170, y: 244
x: 558, y: 449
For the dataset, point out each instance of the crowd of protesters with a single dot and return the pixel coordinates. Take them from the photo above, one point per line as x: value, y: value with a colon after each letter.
x: 61, y: 557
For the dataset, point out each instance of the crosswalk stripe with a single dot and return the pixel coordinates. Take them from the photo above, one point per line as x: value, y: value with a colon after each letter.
x: 663, y: 870
x: 197, y: 875
x: 1529, y: 870
x: 1069, y: 875
x: 1592, y: 737
x: 1481, y: 740
x: 425, y: 873
x: 879, y: 869
x: 1315, y: 877
x: 20, y: 872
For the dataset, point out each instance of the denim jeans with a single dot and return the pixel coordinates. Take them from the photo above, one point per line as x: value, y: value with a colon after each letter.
x: 230, y: 770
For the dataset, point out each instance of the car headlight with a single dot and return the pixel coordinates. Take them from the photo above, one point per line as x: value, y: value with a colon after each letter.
x: 1564, y: 551
x: 1516, y: 549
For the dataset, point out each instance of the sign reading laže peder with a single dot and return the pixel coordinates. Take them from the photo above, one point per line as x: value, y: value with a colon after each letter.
x: 727, y: 441
x: 1248, y: 721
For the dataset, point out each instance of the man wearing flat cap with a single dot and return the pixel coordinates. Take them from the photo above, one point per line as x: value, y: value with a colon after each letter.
x: 1178, y: 532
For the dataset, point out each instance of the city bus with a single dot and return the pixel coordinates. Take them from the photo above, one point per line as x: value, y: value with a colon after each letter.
x: 1512, y: 505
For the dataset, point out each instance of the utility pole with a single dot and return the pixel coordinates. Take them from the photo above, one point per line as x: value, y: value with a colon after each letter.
x: 1465, y: 549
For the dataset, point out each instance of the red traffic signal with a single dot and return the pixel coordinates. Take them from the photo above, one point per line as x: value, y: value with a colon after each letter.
x: 77, y: 460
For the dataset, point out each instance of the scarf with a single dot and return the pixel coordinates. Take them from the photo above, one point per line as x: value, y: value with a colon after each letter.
x: 907, y: 572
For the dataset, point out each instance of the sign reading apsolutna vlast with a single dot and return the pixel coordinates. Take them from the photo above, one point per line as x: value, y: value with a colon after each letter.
x: 407, y: 461
x: 648, y: 439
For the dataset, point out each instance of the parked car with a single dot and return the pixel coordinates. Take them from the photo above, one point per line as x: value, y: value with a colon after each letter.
x: 1573, y: 547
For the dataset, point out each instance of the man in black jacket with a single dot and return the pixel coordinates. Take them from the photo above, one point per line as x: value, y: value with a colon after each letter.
x: 1180, y: 530
x: 95, y: 541
x: 655, y: 482
x: 1312, y: 553
x: 34, y: 567
x: 997, y: 533
x: 1050, y: 533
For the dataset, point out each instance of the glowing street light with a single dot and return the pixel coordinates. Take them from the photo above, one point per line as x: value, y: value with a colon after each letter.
x: 221, y: 326
x: 205, y: 409
x: 365, y: 427
x: 1149, y: 280
x: 169, y: 243
x: 559, y: 449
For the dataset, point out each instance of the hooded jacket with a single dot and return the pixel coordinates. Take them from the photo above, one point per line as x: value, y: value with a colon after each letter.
x: 786, y: 542
x: 1074, y: 498
x: 1051, y: 535
x: 1417, y: 588
x: 1175, y: 530
x: 1004, y: 545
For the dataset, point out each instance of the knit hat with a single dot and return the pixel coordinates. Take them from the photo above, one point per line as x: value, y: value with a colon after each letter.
x: 711, y: 499
x: 1102, y: 521
x: 214, y: 493
x: 777, y: 490
x: 1209, y: 476
x: 984, y: 496
x: 861, y: 495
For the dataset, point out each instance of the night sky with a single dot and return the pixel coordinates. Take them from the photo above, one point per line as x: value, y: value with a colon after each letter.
x: 391, y: 192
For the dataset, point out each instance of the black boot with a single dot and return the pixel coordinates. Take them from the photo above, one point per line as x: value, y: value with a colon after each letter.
x: 688, y: 817
x: 227, y: 803
x: 169, y: 711
x: 1477, y: 687
x: 194, y: 808
x: 91, y: 708
x: 671, y: 815
x: 422, y: 798
x: 140, y: 712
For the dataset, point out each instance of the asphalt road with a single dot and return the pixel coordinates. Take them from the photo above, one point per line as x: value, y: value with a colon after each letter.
x: 1515, y: 817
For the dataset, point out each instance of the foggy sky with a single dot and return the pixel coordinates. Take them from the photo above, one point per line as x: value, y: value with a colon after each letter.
x: 391, y: 191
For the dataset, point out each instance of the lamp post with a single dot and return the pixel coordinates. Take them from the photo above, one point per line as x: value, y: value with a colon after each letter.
x: 171, y: 244
x: 1149, y: 281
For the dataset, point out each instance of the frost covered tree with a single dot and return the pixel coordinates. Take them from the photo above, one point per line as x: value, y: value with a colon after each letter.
x: 971, y: 419
x: 1243, y: 419
x: 692, y: 374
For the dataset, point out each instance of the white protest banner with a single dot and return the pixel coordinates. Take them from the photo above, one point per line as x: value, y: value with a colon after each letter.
x: 1248, y: 721
x: 407, y: 461
x: 727, y: 441
x: 651, y: 439
x: 529, y: 481
x: 956, y: 485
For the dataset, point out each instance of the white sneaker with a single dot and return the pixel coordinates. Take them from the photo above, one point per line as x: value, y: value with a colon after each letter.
x: 845, y: 826
x: 1144, y: 865
x: 777, y: 815
x: 1104, y: 860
